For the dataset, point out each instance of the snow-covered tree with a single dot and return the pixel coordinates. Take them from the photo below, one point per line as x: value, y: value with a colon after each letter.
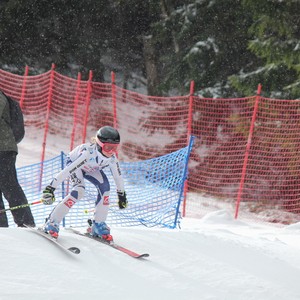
x: 276, y: 42
x: 202, y: 40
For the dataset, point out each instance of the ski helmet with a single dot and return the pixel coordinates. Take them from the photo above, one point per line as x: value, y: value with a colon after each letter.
x: 108, y: 134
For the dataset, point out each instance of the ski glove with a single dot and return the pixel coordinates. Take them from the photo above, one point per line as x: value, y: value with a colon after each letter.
x: 48, y: 195
x: 122, y: 200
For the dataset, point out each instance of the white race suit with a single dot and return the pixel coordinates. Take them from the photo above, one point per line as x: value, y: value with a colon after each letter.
x: 86, y: 162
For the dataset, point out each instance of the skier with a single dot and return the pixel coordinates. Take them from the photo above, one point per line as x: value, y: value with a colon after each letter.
x: 86, y: 161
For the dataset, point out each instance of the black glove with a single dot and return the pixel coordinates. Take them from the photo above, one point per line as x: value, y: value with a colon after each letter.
x: 48, y: 195
x: 122, y: 200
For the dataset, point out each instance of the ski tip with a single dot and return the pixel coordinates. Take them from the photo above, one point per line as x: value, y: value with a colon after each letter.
x: 143, y: 255
x: 74, y: 250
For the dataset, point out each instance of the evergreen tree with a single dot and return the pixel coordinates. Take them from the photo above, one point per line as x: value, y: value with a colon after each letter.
x: 226, y: 47
x: 205, y: 41
x: 68, y: 33
x: 276, y: 42
x: 75, y: 35
x: 131, y: 22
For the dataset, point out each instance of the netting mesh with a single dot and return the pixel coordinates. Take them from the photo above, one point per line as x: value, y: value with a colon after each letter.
x: 272, y: 178
x: 72, y: 110
x: 154, y: 189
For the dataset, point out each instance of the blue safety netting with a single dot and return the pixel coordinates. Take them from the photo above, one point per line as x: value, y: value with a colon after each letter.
x: 154, y: 190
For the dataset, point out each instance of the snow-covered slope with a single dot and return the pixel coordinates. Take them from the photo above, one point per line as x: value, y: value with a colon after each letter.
x: 212, y: 258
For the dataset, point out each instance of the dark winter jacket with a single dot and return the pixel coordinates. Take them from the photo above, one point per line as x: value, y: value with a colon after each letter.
x: 7, y: 139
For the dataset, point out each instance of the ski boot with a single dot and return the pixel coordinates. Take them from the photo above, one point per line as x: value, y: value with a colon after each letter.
x: 100, y: 230
x: 52, y: 228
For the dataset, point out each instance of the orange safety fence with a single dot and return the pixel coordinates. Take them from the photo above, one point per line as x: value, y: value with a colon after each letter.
x: 246, y: 150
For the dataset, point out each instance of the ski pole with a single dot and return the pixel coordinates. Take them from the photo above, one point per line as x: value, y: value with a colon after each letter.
x: 87, y: 211
x: 20, y: 206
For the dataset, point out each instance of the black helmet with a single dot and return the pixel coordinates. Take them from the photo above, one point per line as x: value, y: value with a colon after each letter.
x: 108, y: 134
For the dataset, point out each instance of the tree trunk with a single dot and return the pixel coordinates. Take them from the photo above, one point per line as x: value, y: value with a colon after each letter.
x: 167, y: 8
x: 151, y: 61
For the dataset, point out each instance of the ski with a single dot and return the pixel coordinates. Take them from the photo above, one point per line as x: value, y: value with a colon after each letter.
x: 112, y: 244
x: 47, y: 236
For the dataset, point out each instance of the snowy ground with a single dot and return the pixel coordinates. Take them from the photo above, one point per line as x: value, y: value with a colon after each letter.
x: 215, y: 257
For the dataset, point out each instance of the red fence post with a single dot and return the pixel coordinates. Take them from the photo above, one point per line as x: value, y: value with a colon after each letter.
x: 46, y: 127
x: 190, y: 116
x: 75, y: 109
x: 189, y: 133
x: 24, y: 86
x: 49, y: 100
x: 240, y: 191
x: 114, y: 98
x: 87, y: 107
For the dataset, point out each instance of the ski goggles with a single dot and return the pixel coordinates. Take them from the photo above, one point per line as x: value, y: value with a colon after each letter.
x: 108, y: 147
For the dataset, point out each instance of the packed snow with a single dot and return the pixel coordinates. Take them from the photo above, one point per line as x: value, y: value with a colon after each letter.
x: 213, y: 257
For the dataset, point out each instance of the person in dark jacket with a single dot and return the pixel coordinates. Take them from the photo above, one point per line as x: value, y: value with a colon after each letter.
x: 9, y: 185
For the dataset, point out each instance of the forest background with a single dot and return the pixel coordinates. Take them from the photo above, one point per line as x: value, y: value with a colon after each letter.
x: 226, y: 47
